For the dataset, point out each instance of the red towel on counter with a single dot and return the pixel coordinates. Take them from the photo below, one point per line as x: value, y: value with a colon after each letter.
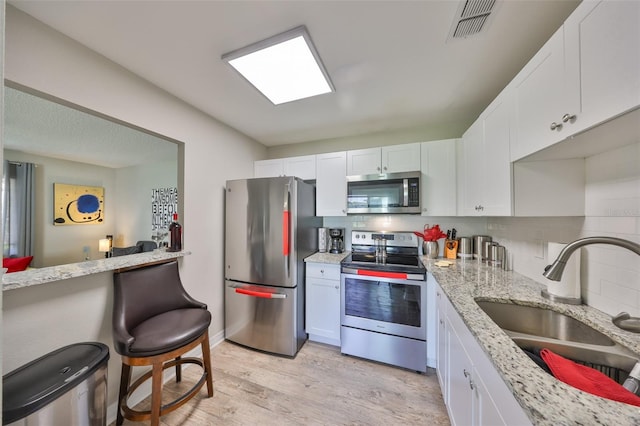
x: 587, y: 379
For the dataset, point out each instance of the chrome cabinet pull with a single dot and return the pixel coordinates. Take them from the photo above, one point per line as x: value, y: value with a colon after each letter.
x: 568, y: 117
x: 555, y: 126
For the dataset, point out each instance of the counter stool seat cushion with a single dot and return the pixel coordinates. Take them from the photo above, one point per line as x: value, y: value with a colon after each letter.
x: 154, y: 336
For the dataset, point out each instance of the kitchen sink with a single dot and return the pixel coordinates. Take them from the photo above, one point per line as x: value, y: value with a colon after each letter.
x: 534, y: 328
x: 542, y: 322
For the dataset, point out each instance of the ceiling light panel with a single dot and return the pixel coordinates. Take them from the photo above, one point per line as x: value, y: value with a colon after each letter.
x: 284, y: 68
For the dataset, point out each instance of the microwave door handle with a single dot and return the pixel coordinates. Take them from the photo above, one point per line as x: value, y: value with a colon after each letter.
x: 405, y: 190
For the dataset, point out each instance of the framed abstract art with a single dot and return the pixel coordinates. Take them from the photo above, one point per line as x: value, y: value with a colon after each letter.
x: 77, y: 204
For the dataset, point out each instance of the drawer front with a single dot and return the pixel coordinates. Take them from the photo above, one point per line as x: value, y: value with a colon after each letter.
x: 323, y: 270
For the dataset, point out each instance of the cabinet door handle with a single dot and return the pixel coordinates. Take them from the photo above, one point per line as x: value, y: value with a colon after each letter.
x: 555, y: 126
x: 322, y: 271
x: 337, y: 287
x: 466, y: 373
x: 378, y: 168
x: 385, y: 168
x: 472, y: 385
x: 568, y: 117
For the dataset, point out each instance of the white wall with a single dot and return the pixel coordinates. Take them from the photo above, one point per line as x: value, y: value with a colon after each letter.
x: 133, y: 197
x: 41, y: 318
x: 610, y: 275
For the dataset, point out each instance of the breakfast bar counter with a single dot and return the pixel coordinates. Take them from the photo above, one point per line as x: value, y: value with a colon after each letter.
x: 544, y: 399
x: 49, y: 274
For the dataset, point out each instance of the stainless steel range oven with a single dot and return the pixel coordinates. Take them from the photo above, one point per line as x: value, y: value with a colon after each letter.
x: 384, y: 300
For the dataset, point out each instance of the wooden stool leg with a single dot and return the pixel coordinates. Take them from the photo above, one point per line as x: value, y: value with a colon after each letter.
x: 206, y: 358
x: 125, y: 378
x: 178, y: 370
x: 156, y: 393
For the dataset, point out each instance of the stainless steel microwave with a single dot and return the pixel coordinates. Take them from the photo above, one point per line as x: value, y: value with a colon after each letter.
x: 384, y: 193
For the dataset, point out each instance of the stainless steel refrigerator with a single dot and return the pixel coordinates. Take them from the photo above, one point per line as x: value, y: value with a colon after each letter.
x: 270, y: 227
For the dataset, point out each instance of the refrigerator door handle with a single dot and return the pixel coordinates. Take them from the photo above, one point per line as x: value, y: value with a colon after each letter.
x: 263, y: 294
x: 286, y: 225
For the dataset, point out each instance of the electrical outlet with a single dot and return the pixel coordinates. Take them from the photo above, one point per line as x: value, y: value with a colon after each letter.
x: 538, y: 249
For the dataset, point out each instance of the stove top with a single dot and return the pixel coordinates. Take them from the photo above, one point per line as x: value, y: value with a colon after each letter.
x: 401, y: 248
x: 391, y: 259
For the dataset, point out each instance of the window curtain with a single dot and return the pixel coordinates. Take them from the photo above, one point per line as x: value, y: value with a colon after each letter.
x: 18, y: 214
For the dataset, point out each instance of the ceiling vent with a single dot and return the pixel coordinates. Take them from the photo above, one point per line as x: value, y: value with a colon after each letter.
x: 472, y: 17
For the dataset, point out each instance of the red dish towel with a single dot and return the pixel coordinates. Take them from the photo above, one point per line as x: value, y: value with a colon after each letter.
x: 587, y: 379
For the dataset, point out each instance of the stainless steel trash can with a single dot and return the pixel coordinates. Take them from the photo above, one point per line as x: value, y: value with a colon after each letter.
x: 65, y: 387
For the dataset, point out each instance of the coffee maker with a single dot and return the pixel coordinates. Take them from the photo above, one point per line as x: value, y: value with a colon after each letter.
x: 337, y: 240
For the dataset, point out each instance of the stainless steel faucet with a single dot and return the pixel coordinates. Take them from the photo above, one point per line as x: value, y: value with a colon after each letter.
x: 555, y: 270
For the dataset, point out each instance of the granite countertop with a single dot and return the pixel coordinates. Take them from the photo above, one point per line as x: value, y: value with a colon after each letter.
x: 330, y: 258
x: 545, y: 400
x: 49, y: 274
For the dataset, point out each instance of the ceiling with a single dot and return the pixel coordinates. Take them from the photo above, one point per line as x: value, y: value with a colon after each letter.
x: 392, y: 62
x: 39, y: 126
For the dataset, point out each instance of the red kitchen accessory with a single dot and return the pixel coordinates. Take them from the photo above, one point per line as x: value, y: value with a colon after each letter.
x: 434, y: 233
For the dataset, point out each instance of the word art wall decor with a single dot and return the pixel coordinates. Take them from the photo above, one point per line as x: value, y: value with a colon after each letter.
x: 164, y: 203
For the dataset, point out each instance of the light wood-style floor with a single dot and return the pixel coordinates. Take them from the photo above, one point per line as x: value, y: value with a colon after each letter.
x: 318, y: 387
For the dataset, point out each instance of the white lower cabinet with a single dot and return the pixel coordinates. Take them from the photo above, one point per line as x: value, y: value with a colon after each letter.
x: 323, y: 303
x: 442, y: 345
x: 470, y: 383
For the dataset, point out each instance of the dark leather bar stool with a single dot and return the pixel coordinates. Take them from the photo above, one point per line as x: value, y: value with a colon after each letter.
x: 155, y: 322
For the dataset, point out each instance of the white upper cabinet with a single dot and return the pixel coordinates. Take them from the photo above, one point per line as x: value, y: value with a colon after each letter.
x: 401, y: 158
x: 586, y: 74
x: 497, y: 189
x: 364, y: 161
x: 486, y: 170
x: 438, y: 178
x: 388, y: 159
x: 471, y: 170
x: 268, y: 168
x: 602, y: 50
x: 331, y: 184
x: 539, y: 100
x: 303, y: 167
